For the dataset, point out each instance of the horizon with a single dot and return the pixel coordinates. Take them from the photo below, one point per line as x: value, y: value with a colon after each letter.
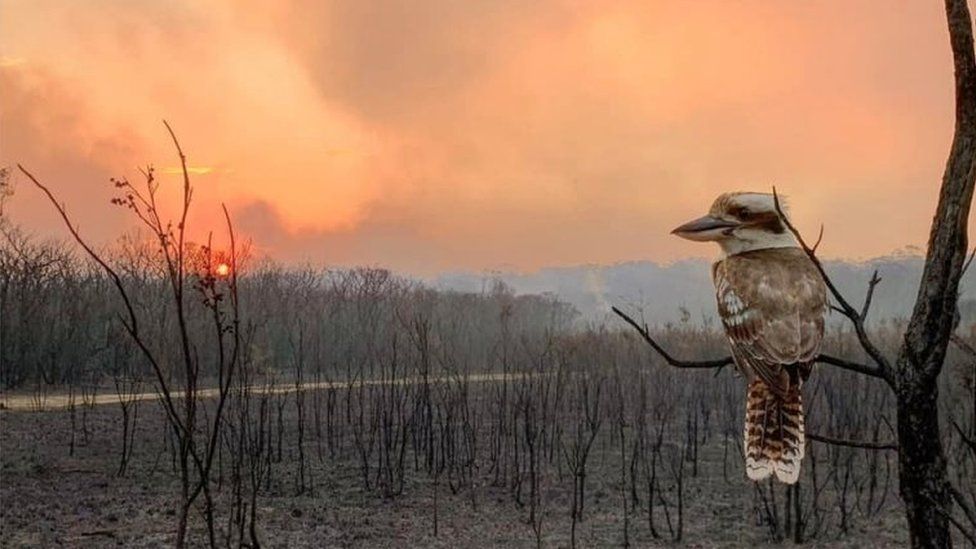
x: 487, y: 272
x: 499, y: 138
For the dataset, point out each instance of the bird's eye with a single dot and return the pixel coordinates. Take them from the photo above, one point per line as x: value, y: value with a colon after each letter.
x: 742, y: 213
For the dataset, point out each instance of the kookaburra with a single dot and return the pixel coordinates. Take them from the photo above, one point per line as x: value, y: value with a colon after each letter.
x: 772, y: 302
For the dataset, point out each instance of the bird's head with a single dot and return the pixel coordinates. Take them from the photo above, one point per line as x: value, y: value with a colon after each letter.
x: 741, y: 222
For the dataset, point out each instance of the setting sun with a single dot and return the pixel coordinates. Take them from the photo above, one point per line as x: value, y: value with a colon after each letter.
x: 464, y: 140
x: 222, y: 270
x: 440, y: 251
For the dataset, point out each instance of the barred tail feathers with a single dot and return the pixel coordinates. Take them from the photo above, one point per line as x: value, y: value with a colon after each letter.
x: 774, y: 437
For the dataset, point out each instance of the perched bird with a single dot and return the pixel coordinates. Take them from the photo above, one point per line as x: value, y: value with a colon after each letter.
x: 772, y: 301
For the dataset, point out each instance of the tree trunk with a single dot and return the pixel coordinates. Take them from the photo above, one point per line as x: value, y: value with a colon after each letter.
x: 922, y: 466
x: 924, y: 484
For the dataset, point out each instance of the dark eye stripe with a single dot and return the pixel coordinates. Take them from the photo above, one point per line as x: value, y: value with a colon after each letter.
x: 771, y: 222
x: 740, y: 211
x: 768, y: 221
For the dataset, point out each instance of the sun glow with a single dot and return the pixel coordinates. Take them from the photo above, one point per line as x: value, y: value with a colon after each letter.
x: 222, y: 270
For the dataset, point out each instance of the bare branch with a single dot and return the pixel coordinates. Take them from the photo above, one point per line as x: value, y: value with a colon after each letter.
x: 875, y: 279
x: 677, y: 363
x: 882, y: 366
x: 819, y: 238
x: 962, y: 529
x: 969, y: 261
x: 845, y: 307
x: 844, y: 364
x: 965, y: 347
x: 853, y: 443
x: 963, y: 504
x: 962, y: 434
x: 725, y: 361
x: 728, y: 360
x: 187, y: 194
x: 131, y: 325
x: 955, y: 522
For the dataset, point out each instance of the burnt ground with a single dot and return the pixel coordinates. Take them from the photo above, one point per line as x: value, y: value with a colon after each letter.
x: 49, y: 497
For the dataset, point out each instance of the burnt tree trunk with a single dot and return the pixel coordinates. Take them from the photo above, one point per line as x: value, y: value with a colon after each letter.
x: 924, y: 485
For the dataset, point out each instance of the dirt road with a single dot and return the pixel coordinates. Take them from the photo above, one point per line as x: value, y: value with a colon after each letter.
x: 29, y: 402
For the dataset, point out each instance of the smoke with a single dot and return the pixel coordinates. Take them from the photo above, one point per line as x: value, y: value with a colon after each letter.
x: 472, y: 135
x: 596, y: 286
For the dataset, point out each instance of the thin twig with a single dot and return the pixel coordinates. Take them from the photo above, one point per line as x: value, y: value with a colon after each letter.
x: 819, y: 238
x: 963, y: 504
x: 677, y: 363
x: 965, y: 347
x: 882, y: 367
x: 93, y: 533
x: 966, y: 440
x: 853, y: 443
x: 875, y: 279
x: 959, y: 526
x: 969, y: 261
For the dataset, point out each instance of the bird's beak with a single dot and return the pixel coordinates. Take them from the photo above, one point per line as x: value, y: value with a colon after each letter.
x: 705, y: 228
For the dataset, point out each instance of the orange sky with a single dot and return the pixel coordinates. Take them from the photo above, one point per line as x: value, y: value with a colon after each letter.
x: 442, y: 135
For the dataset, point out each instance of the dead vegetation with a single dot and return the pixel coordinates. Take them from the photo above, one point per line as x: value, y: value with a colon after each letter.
x: 583, y: 438
x: 589, y: 438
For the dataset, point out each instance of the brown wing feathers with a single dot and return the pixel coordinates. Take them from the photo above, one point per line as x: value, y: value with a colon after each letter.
x: 772, y: 303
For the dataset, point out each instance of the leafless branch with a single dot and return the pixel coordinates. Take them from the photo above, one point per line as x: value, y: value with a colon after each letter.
x: 965, y: 347
x: 963, y: 504
x: 849, y: 365
x: 819, y: 238
x: 875, y: 279
x: 727, y: 360
x: 853, y: 443
x: 882, y: 368
x: 172, y: 246
x: 962, y: 434
x: 969, y: 261
x: 677, y: 363
x: 131, y: 324
x: 955, y: 522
